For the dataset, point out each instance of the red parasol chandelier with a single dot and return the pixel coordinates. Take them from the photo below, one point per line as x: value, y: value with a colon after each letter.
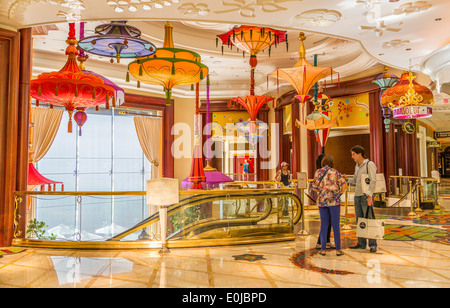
x: 252, y: 40
x: 70, y: 87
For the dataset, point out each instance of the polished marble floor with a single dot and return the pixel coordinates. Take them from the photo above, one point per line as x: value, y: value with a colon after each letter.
x: 417, y: 254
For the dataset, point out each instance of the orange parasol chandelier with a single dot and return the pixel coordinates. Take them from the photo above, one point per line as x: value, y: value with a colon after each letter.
x: 169, y: 66
x: 70, y: 87
x: 303, y: 75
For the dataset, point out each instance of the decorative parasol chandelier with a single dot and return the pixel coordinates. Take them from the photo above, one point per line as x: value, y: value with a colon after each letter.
x: 385, y: 81
x: 169, y: 67
x: 70, y: 87
x: 117, y: 40
x: 252, y: 40
x: 320, y: 120
x: 303, y: 75
x: 407, y: 99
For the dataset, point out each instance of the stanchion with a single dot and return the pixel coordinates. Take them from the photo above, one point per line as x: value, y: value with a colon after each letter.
x: 418, y: 209
x: 303, y: 232
x: 346, y: 226
x: 412, y: 213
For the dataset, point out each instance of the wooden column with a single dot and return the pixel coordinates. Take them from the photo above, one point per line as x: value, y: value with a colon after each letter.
x: 23, y: 124
x: 9, y: 120
x: 295, y: 140
x: 376, y: 127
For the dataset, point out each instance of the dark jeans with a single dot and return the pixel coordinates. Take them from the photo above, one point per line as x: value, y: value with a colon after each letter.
x: 361, y: 209
x: 328, y: 213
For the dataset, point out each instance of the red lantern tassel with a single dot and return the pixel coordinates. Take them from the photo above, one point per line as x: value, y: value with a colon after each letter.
x: 40, y: 90
x: 37, y: 103
x: 62, y: 187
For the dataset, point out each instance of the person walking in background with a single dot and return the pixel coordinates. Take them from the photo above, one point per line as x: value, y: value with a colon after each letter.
x: 329, y: 184
x: 363, y: 200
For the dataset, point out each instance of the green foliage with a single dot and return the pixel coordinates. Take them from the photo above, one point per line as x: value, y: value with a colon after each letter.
x: 186, y: 217
x: 36, y: 229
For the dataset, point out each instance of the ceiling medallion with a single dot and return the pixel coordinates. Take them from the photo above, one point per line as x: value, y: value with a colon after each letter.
x: 317, y: 18
x: 247, y: 8
x: 132, y: 6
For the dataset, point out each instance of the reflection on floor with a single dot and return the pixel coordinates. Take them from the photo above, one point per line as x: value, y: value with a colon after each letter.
x: 415, y: 253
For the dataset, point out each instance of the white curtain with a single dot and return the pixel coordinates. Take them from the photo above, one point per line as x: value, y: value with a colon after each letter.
x: 149, y: 134
x: 45, y: 126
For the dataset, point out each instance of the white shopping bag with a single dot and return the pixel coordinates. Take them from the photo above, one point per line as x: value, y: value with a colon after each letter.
x: 370, y: 228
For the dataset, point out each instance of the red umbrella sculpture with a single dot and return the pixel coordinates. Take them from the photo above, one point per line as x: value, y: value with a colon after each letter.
x: 70, y: 87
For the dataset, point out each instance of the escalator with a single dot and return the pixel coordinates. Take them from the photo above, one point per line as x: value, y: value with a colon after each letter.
x: 241, y: 215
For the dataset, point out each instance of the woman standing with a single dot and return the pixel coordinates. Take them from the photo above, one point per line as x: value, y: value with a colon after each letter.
x: 284, y: 174
x: 329, y: 184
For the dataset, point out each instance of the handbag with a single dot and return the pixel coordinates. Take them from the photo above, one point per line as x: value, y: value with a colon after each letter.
x: 370, y: 228
x: 380, y: 182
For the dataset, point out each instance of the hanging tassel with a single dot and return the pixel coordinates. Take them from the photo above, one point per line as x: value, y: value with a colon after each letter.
x: 107, y: 105
x: 69, y: 125
x: 127, y: 79
x: 270, y: 49
x: 43, y: 187
x: 114, y: 101
x: 56, y: 90
x: 96, y: 108
x: 192, y: 87
x: 39, y: 90
x: 140, y: 70
x: 51, y: 106
x: 138, y: 84
x: 201, y: 74
x: 62, y: 187
x: 76, y: 91
x: 37, y: 103
x: 93, y: 93
x: 79, y: 134
x: 243, y: 54
x: 107, y: 98
x: 251, y: 34
x: 234, y: 35
x: 217, y: 42
x: 222, y: 50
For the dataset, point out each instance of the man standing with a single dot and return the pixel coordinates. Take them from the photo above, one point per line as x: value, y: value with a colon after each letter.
x: 363, y: 201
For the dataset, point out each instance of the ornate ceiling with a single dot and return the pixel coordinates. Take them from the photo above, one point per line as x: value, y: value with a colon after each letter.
x: 351, y: 36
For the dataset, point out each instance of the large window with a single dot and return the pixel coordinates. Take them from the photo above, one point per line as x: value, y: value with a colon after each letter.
x: 106, y: 157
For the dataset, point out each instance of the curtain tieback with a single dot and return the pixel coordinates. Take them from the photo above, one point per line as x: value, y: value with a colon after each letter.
x: 154, y: 162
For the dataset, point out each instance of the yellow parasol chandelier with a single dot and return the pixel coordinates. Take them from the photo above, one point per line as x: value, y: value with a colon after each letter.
x: 169, y: 66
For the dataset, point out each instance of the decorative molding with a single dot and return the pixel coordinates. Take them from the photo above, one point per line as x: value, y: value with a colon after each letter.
x: 380, y: 28
x: 395, y: 43
x: 192, y: 9
x: 412, y: 7
x: 317, y: 18
x: 132, y: 6
x: 246, y: 8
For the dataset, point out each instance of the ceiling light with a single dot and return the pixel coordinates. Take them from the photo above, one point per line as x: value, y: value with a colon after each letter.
x: 118, y: 9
